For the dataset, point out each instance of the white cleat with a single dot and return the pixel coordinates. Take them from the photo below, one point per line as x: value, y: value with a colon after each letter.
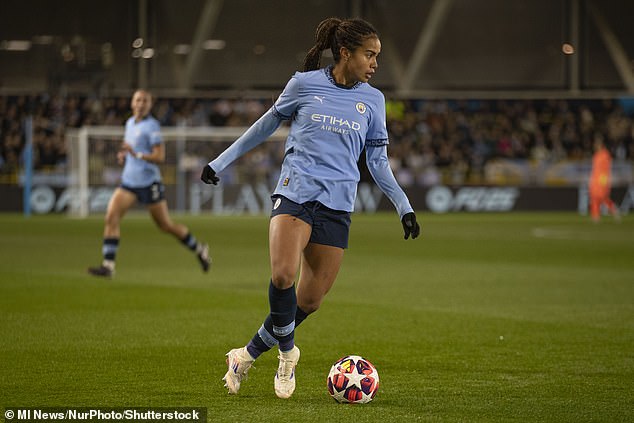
x: 239, y: 361
x: 285, y: 376
x: 202, y: 252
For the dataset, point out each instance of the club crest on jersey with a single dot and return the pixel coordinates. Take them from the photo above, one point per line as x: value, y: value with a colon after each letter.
x: 360, y: 107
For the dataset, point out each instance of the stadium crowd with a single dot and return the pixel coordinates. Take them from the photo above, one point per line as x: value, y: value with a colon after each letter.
x: 430, y: 140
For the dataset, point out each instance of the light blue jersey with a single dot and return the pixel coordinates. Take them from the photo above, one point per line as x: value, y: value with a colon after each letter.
x: 330, y: 126
x: 142, y: 136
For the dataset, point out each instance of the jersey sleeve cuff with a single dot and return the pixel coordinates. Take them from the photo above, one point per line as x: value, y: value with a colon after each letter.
x: 279, y: 115
x: 377, y: 142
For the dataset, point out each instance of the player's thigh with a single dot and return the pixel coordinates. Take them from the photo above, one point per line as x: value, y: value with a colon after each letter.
x: 288, y: 236
x: 119, y: 203
x: 319, y: 270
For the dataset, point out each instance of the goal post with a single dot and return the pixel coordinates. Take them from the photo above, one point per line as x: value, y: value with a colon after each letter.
x: 94, y: 172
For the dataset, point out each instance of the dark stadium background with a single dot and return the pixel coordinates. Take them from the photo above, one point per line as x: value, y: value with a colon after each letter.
x: 488, y: 45
x: 486, y: 59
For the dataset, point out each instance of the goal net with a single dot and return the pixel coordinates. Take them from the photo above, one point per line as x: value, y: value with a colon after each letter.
x: 94, y: 172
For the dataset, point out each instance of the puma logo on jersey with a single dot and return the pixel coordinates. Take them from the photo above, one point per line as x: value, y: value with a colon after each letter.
x: 321, y: 99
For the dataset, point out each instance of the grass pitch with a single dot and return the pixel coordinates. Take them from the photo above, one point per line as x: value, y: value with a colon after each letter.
x: 485, y: 318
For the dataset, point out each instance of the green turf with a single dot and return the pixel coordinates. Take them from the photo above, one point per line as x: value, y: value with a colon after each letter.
x: 486, y: 318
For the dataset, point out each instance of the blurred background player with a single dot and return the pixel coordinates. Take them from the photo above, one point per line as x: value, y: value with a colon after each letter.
x: 335, y: 113
x: 601, y: 181
x: 141, y: 151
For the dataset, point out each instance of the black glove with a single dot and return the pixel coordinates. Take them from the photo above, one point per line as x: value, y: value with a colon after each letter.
x: 410, y: 226
x: 209, y: 176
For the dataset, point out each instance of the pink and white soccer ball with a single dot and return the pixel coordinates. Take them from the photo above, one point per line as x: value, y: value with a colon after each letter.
x: 353, y: 379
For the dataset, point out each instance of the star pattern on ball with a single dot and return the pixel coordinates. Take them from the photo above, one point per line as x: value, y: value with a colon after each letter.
x: 355, y: 378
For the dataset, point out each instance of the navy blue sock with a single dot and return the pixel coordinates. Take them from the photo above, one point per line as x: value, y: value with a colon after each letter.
x: 109, y: 248
x: 190, y: 241
x: 264, y: 340
x: 300, y: 316
x: 283, y: 303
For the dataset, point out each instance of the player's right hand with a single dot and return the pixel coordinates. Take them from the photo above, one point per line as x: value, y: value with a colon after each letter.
x: 121, y: 156
x: 209, y: 176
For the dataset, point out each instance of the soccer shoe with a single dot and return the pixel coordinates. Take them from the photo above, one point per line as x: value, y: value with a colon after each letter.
x: 102, y: 271
x: 239, y: 361
x: 285, y: 376
x: 202, y: 252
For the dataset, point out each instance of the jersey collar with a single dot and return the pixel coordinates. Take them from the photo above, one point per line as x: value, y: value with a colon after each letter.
x: 328, y: 72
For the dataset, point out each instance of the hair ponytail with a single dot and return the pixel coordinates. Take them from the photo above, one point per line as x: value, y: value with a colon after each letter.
x: 334, y: 33
x: 324, y: 39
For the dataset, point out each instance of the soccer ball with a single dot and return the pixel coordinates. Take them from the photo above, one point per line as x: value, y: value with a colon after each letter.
x: 353, y: 379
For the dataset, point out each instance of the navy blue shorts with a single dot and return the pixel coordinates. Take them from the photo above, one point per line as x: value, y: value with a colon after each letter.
x: 148, y: 195
x: 329, y: 227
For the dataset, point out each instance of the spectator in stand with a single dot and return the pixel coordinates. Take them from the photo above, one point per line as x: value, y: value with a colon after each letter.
x: 546, y: 131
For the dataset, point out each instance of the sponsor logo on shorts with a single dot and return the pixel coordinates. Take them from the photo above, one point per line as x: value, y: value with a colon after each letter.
x: 277, y: 203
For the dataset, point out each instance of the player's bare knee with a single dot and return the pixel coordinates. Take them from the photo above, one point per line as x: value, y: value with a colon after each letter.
x: 282, y: 279
x: 111, y: 220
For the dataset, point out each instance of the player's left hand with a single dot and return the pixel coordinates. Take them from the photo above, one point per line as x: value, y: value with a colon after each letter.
x: 209, y: 176
x: 410, y: 226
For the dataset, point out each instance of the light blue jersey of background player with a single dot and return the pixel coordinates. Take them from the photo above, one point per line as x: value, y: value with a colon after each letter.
x: 141, y: 151
x: 328, y: 132
x: 141, y: 136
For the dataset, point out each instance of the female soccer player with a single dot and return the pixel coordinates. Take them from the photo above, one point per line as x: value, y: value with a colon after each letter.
x: 141, y: 150
x: 335, y: 113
